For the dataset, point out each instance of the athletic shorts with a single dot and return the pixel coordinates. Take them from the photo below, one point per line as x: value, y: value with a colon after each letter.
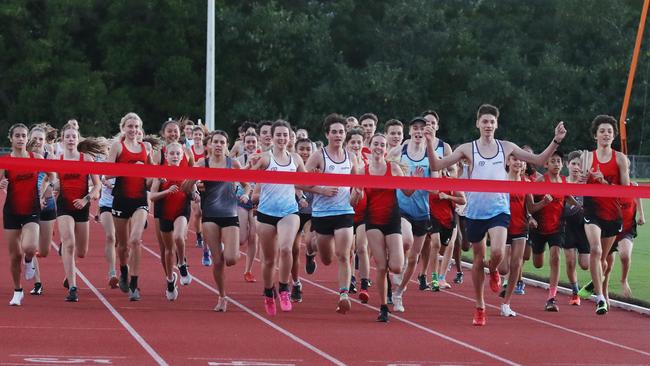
x: 629, y: 235
x: 329, y: 224
x: 607, y: 228
x: 103, y: 209
x: 392, y: 227
x: 512, y: 237
x: 48, y: 213
x: 124, y: 208
x: 418, y: 227
x: 78, y: 215
x: 304, y: 217
x: 444, y: 232
x: 222, y: 221
x: 16, y: 222
x: 167, y: 226
x: 273, y: 220
x: 355, y: 226
x: 576, y: 238
x: 539, y: 241
x: 476, y: 229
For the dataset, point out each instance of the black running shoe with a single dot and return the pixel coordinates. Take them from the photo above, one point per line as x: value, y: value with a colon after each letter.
x: 383, y: 314
x: 296, y: 293
x: 310, y: 263
x: 38, y: 289
x: 66, y: 284
x: 123, y: 284
x: 422, y: 279
x: 502, y: 293
x: 353, y: 285
x: 72, y: 295
x: 459, y: 277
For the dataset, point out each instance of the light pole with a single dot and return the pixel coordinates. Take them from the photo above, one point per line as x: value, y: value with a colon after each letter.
x: 209, y: 69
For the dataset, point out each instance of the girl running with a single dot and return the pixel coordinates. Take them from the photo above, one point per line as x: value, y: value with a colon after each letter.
x: 198, y: 152
x: 130, y: 204
x: 277, y: 215
x: 106, y: 220
x: 73, y: 203
x: 246, y: 212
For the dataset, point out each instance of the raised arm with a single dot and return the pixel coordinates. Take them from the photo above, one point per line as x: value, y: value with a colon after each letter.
x: 541, y: 158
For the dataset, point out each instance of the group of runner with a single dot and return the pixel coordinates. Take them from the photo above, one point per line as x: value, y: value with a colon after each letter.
x: 402, y: 231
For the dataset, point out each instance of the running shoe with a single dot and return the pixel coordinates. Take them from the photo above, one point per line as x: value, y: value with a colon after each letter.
x: 459, y: 278
x: 72, y: 295
x: 344, y: 304
x: 364, y: 296
x: 435, y: 286
x: 296, y: 293
x: 495, y: 282
x: 221, y: 305
x: 37, y: 290
x: 66, y: 284
x: 398, y: 303
x: 285, y: 301
x: 480, y: 318
x: 551, y: 305
x: 199, y: 242
x: 520, y: 288
x: 207, y: 258
x: 30, y: 270
x: 123, y: 284
x: 186, y: 277
x: 502, y: 294
x: 248, y: 277
x: 601, y: 308
x: 17, y: 298
x: 383, y: 314
x: 574, y: 300
x: 310, y: 263
x: 396, y: 278
x: 506, y: 311
x: 134, y: 295
x: 113, y: 281
x: 353, y: 285
x: 444, y: 284
x: 269, y: 305
x: 172, y: 290
x: 586, y: 291
x: 422, y: 279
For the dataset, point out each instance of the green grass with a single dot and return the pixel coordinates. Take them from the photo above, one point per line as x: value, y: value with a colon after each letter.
x: 639, y: 276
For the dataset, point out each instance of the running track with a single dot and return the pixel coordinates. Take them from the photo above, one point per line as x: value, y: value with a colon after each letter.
x: 104, y: 328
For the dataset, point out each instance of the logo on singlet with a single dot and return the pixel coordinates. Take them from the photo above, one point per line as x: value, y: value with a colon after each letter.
x: 481, y: 163
x: 330, y: 168
x: 273, y: 169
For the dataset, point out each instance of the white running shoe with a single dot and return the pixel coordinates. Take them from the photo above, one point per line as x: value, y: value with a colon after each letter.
x: 506, y: 311
x: 222, y: 305
x: 30, y: 270
x: 172, y: 295
x: 186, y: 277
x: 398, y: 304
x: 17, y: 299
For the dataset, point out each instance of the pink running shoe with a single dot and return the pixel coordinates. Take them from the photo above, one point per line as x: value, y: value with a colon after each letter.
x: 269, y: 305
x: 495, y: 281
x: 285, y: 301
x: 364, y: 296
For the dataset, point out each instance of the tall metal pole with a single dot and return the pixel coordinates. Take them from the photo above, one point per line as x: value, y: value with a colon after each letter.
x: 630, y: 77
x: 209, y: 69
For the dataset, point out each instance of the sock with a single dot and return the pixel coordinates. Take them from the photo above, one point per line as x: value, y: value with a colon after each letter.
x: 353, y: 279
x: 434, y: 276
x: 552, y: 292
x: 297, y: 282
x: 134, y: 283
x: 124, y: 271
x: 111, y: 273
x: 600, y: 298
x: 575, y: 288
x: 441, y: 277
x: 364, y: 284
x: 505, y: 283
x: 18, y: 289
x: 383, y: 307
x: 73, y: 288
x: 268, y: 292
x: 343, y: 290
x: 199, y: 236
x: 283, y: 287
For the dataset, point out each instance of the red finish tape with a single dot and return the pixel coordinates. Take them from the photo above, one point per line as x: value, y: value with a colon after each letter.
x: 310, y: 179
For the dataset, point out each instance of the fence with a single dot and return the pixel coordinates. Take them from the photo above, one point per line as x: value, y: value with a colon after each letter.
x: 639, y: 166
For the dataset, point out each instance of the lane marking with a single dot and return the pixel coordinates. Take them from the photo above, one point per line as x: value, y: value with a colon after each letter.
x: 287, y: 333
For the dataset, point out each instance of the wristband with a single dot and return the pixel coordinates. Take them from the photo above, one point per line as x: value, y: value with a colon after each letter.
x: 555, y: 141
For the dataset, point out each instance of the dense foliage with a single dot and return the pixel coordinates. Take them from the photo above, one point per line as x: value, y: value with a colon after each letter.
x: 539, y: 61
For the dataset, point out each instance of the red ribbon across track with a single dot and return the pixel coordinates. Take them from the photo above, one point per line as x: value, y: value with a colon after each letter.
x: 310, y: 179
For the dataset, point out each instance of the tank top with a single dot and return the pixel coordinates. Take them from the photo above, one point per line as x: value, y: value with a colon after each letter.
x: 338, y: 204
x: 278, y: 200
x: 549, y: 218
x: 218, y: 199
x: 174, y: 204
x: 131, y: 187
x: 518, y: 219
x: 184, y: 161
x: 486, y: 205
x: 415, y: 206
x: 72, y: 186
x: 605, y: 208
x: 50, y: 204
x: 628, y: 211
x: 381, y: 208
x: 22, y: 192
x: 442, y: 210
x: 197, y: 156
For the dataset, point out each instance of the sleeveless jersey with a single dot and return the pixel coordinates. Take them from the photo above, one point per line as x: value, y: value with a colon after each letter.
x: 131, y: 187
x: 549, y: 218
x: 442, y: 211
x: 486, y: 205
x: 605, y: 208
x: 218, y: 199
x: 381, y: 206
x: 628, y: 211
x: 174, y: 204
x: 197, y: 156
x: 184, y: 161
x: 518, y: 220
x: 339, y: 204
x: 72, y: 186
x: 415, y: 206
x: 22, y: 192
x: 278, y: 200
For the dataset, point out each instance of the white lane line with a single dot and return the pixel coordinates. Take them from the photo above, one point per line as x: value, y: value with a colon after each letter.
x: 159, y: 360
x: 553, y: 325
x: 287, y: 333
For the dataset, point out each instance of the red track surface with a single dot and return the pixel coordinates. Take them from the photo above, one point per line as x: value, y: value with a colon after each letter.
x: 435, y: 329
